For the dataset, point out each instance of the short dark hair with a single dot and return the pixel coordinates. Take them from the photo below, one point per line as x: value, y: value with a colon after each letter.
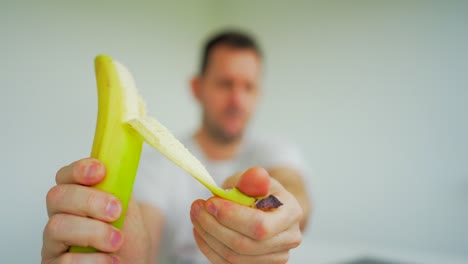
x: 235, y: 39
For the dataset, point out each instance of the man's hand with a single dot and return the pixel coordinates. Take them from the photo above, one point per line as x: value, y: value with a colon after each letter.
x: 230, y: 233
x: 80, y: 215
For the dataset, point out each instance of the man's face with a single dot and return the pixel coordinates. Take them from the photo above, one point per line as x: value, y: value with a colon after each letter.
x: 228, y: 91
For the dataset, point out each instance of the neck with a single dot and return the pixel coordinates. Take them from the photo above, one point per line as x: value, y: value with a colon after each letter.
x: 214, y: 149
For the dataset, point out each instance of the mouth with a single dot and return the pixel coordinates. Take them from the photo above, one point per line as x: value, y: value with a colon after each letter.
x: 233, y: 112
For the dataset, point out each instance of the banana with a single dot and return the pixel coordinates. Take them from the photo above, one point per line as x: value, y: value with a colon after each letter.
x: 115, y: 144
x: 122, y: 126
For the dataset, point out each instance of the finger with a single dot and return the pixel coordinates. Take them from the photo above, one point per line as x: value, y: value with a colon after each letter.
x: 63, y: 230
x: 254, y: 223
x: 207, y: 251
x: 254, y: 182
x: 83, y: 201
x: 231, y: 256
x: 207, y: 225
x: 88, y: 258
x: 86, y: 171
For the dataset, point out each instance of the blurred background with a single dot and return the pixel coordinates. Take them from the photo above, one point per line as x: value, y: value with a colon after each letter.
x: 374, y: 92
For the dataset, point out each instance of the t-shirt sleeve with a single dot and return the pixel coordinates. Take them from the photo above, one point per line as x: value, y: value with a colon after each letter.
x: 149, y: 186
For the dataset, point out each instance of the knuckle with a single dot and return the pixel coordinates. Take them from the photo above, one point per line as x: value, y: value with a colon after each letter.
x: 98, y: 237
x: 68, y: 259
x: 93, y: 199
x: 294, y: 238
x: 54, y: 194
x: 242, y: 245
x: 282, y: 259
x: 102, y: 237
x: 231, y: 256
x: 297, y: 239
x: 299, y: 213
x: 260, y: 230
x: 54, y: 225
x: 59, y: 173
x: 221, y: 216
x: 224, y: 212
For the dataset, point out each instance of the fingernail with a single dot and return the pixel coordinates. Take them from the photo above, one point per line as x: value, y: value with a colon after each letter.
x: 113, y: 208
x: 116, y: 238
x: 196, y: 210
x: 211, y: 208
x: 91, y: 170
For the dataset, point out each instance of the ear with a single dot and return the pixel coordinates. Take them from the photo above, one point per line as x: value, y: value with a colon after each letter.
x: 195, y: 85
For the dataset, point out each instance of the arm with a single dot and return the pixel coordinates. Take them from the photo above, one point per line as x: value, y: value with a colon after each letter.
x: 293, y: 182
x: 153, y: 220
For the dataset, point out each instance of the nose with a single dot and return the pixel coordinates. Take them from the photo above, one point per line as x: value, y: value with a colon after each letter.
x: 238, y: 95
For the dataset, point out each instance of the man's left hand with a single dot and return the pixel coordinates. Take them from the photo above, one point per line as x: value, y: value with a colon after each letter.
x: 227, y: 232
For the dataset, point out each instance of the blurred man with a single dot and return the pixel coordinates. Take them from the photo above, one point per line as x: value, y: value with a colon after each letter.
x: 165, y: 220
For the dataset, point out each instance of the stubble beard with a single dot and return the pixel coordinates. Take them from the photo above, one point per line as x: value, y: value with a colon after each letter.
x: 217, y: 133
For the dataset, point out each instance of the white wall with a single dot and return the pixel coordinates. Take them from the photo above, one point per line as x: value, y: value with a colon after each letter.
x: 375, y: 93
x: 48, y: 100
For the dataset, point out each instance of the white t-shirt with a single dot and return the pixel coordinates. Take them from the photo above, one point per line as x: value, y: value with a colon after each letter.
x: 166, y: 186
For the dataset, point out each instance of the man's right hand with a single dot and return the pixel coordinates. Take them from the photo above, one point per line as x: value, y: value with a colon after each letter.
x: 80, y: 215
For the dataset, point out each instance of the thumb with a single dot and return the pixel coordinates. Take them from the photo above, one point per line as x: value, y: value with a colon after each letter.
x: 254, y: 182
